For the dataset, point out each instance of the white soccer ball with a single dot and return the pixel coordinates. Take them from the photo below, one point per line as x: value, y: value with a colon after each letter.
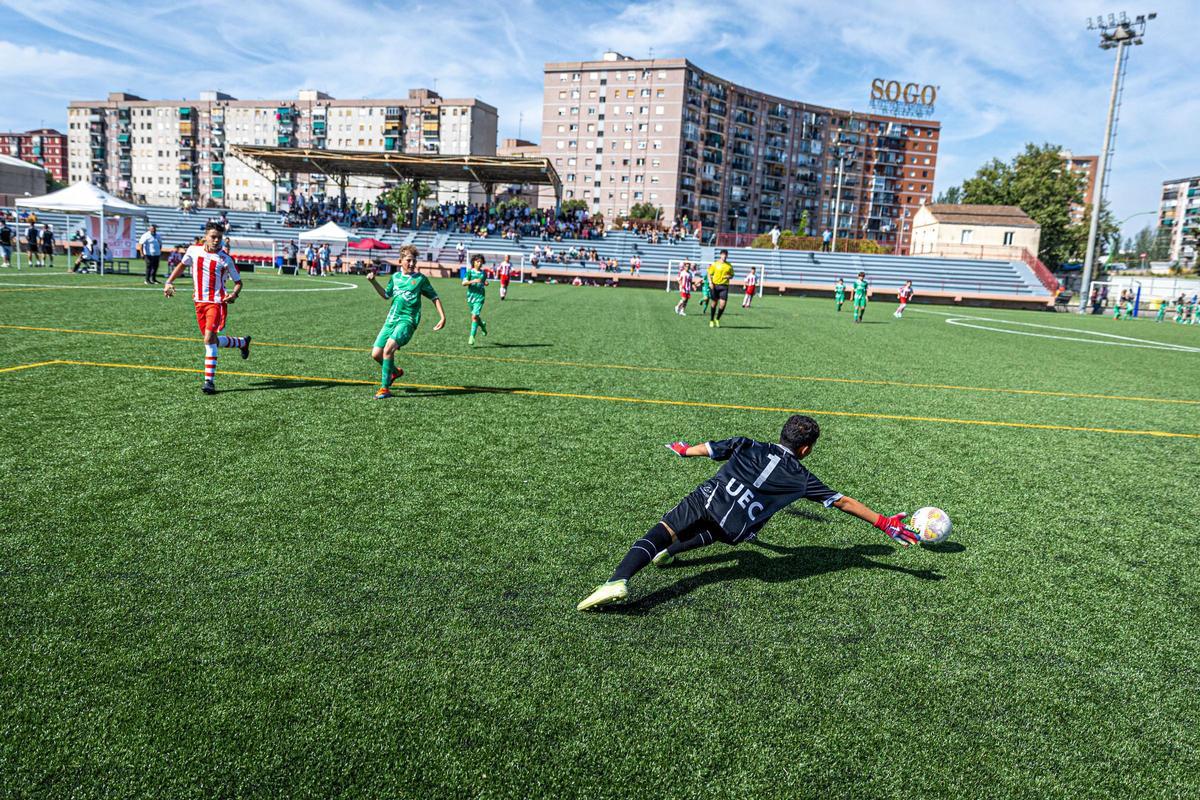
x: 931, y: 524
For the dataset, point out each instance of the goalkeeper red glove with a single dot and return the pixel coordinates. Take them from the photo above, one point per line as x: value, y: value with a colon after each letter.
x: 894, y: 527
x: 679, y: 448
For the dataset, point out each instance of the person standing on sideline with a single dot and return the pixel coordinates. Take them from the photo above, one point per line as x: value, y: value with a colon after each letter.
x: 149, y: 247
x: 47, y: 245
x: 826, y: 240
x: 775, y: 234
x: 31, y: 239
x: 6, y: 243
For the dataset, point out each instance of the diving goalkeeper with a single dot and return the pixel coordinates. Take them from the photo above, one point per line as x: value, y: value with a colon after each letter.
x: 757, y: 480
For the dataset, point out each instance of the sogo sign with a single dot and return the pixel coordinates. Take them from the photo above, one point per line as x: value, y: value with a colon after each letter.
x: 909, y: 93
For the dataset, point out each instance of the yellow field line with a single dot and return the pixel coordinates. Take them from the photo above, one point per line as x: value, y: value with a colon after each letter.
x: 31, y: 289
x: 639, y: 368
x: 29, y: 366
x: 656, y: 402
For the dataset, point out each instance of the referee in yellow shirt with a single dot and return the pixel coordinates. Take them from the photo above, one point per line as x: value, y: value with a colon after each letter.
x: 720, y: 273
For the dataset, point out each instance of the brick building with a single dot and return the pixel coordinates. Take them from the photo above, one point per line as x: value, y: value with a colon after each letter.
x: 164, y: 152
x: 622, y: 131
x: 45, y: 147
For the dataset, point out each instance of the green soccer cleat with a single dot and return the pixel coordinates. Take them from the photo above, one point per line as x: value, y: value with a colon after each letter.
x: 712, y: 323
x: 471, y: 341
x: 483, y: 327
x: 718, y: 322
x: 605, y: 593
x: 662, y: 559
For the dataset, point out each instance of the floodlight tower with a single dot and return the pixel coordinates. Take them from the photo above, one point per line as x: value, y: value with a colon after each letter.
x: 1115, y: 33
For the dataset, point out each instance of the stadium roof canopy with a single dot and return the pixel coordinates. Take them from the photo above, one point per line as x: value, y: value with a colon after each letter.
x: 344, y: 164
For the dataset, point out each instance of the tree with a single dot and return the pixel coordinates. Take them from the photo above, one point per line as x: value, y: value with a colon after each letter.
x: 399, y: 199
x: 1143, y: 242
x: 1036, y: 181
x: 644, y: 211
x: 571, y: 206
x: 952, y: 196
x: 802, y: 227
x: 53, y: 184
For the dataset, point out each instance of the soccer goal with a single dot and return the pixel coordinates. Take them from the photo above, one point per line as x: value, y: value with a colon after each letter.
x: 1108, y: 295
x: 258, y: 251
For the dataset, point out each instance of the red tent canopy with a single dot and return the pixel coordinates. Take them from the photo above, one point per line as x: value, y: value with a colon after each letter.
x: 370, y: 244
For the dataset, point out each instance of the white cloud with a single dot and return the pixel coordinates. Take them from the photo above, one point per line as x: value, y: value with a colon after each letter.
x: 1009, y: 72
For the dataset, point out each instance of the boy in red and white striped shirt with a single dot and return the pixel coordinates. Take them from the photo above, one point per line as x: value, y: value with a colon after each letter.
x: 211, y: 268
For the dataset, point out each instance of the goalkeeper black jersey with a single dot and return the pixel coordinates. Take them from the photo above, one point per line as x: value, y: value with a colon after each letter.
x: 756, y: 481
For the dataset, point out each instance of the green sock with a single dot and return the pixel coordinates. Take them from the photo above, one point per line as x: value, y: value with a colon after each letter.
x: 389, y: 364
x: 474, y: 327
x: 483, y: 326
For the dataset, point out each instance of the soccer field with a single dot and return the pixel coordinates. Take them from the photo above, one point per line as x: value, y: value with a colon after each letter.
x: 291, y: 589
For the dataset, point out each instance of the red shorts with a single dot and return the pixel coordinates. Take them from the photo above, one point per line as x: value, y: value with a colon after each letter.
x: 685, y: 295
x: 749, y: 290
x: 504, y: 281
x: 210, y: 316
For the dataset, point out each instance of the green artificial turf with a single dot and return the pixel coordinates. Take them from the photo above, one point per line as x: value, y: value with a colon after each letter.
x: 290, y: 589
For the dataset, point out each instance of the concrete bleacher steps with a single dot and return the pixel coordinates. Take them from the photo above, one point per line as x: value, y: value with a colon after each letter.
x: 783, y: 268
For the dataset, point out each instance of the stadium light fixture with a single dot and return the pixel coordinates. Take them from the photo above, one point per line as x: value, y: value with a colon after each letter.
x: 1115, y: 33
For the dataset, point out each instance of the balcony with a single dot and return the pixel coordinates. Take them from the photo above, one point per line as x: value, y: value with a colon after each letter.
x: 185, y: 166
x: 218, y: 167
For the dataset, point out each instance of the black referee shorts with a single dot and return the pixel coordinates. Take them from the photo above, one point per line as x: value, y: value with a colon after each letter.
x: 690, y: 518
x: 720, y: 291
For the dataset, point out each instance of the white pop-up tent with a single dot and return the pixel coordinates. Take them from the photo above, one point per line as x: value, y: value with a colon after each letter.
x: 329, y: 232
x: 85, y: 199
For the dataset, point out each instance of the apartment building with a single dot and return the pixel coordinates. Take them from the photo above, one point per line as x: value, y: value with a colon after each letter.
x: 1179, y: 217
x: 622, y: 131
x: 45, y: 147
x: 1086, y: 166
x: 165, y: 152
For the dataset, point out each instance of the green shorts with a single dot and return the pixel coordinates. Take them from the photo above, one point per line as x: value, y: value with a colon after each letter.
x: 860, y: 302
x: 475, y: 306
x: 401, y: 330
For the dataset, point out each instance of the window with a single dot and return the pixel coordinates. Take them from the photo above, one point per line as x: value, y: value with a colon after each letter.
x: 571, y: 161
x: 966, y: 236
x: 1008, y: 237
x: 562, y: 95
x: 562, y: 128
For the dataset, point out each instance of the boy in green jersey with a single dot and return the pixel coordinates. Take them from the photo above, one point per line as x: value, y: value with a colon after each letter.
x: 1179, y: 309
x: 705, y: 294
x: 1162, y: 310
x: 839, y: 293
x: 475, y: 280
x: 404, y: 290
x: 860, y: 296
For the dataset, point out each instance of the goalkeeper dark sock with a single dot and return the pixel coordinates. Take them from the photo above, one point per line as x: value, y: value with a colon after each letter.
x: 720, y: 311
x: 712, y: 311
x: 643, y: 550
x: 703, y: 540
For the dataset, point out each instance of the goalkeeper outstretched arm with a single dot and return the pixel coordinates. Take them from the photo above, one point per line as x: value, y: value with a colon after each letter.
x: 893, y: 526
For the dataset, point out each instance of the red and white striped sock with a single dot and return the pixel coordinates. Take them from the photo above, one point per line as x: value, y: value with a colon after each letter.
x: 210, y: 363
x: 231, y: 341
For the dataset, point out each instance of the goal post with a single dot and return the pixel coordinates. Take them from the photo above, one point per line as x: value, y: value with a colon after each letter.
x: 1108, y: 295
x: 492, y: 258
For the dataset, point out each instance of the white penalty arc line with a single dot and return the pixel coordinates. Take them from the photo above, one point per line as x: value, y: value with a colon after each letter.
x: 1086, y: 337
x: 330, y: 286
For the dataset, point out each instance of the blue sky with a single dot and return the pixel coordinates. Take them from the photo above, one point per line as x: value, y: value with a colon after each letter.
x: 1009, y: 72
